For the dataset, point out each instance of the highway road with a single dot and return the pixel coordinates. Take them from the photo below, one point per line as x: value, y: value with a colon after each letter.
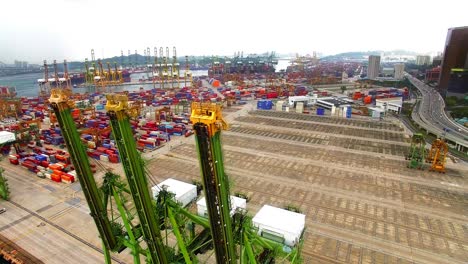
x: 432, y: 116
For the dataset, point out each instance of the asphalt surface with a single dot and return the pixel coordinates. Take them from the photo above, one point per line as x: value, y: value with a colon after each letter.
x: 432, y: 113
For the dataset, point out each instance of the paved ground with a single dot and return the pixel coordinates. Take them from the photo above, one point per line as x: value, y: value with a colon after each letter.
x: 50, y: 220
x: 349, y: 177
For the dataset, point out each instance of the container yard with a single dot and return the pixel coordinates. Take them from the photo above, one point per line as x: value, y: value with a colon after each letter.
x: 349, y: 178
x: 312, y: 176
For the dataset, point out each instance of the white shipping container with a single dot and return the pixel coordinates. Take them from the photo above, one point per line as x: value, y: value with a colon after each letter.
x: 299, y: 107
x: 236, y: 203
x: 104, y: 157
x: 184, y: 192
x: 280, y: 225
x: 279, y: 106
x: 66, y: 181
x: 47, y: 175
x: 6, y: 136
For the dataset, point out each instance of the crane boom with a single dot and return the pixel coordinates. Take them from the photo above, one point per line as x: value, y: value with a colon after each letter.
x: 60, y: 104
x: 117, y: 107
x: 208, y: 122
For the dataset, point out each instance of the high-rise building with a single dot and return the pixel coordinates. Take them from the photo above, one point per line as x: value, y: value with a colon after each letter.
x: 437, y: 60
x: 373, y: 68
x: 455, y: 57
x: 423, y: 60
x: 399, y: 71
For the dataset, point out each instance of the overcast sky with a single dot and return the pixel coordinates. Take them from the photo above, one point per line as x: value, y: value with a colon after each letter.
x: 34, y: 30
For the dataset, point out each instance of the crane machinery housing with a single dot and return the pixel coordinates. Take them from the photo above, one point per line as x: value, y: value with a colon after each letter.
x: 417, y: 152
x: 437, y: 155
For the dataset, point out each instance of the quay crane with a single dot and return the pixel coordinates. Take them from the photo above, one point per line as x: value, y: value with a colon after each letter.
x: 61, y: 104
x: 208, y: 123
x: 156, y: 67
x: 175, y: 68
x: 117, y: 107
x: 187, y: 73
x: 110, y: 229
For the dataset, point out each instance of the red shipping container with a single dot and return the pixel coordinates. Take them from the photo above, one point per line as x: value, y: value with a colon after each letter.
x: 14, y: 161
x: 101, y: 149
x: 67, y: 178
x: 45, y: 164
x: 56, y: 178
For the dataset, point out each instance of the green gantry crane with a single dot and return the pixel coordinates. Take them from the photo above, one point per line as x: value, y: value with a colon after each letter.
x: 119, y: 111
x: 61, y: 105
x: 233, y: 238
x: 117, y: 233
x: 207, y: 123
x: 417, y: 152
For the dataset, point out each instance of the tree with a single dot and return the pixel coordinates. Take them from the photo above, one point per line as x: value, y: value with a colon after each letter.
x: 451, y: 101
x: 343, y: 89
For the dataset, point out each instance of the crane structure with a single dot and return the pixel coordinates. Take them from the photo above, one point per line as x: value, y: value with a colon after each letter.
x: 233, y: 237
x: 60, y: 103
x: 10, y: 107
x: 117, y: 106
x: 4, y: 190
x: 156, y: 67
x: 229, y: 234
x: 208, y: 123
x: 175, y: 69
x: 44, y: 85
x: 187, y: 73
x: 116, y: 233
x: 437, y: 155
x: 417, y: 152
x: 165, y: 68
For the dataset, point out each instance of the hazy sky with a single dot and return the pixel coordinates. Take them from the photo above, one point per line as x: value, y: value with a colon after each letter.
x: 34, y: 30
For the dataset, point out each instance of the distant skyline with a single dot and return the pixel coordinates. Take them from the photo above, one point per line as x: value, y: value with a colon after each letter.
x: 68, y: 29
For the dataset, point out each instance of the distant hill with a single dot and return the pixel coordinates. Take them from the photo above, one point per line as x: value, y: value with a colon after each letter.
x: 362, y: 55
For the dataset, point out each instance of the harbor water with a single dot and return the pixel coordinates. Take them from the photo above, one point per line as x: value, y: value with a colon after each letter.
x: 26, y: 84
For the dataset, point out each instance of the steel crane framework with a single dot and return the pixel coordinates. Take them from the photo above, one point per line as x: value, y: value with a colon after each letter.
x: 233, y: 237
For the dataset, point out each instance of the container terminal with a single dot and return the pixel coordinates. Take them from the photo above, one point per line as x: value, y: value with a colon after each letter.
x: 186, y: 172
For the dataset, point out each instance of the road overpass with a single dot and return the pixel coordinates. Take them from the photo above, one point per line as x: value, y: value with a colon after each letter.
x: 430, y: 114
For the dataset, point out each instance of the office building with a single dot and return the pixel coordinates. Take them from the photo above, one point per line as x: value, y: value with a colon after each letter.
x: 423, y: 60
x: 437, y: 60
x: 399, y: 71
x: 373, y: 68
x: 433, y: 75
x: 455, y: 62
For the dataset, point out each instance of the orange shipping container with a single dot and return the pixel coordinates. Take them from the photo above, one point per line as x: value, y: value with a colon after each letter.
x: 67, y: 178
x: 56, y: 178
x: 368, y: 99
x: 55, y: 167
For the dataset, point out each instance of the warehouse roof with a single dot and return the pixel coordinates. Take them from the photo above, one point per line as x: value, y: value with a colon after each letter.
x: 6, y: 136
